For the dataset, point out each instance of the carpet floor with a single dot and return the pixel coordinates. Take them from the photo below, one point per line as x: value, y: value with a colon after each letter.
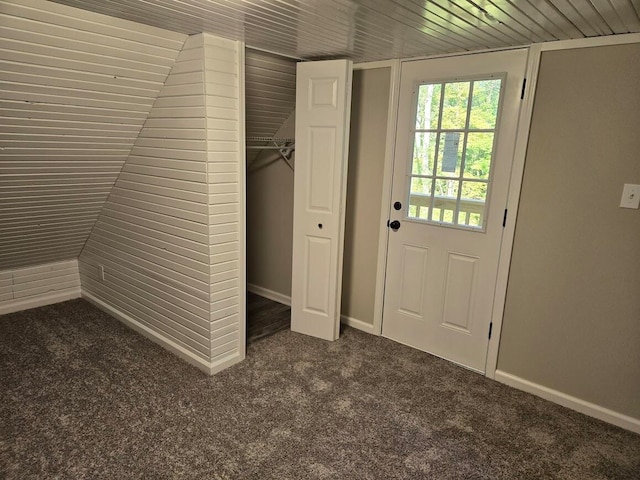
x: 82, y: 396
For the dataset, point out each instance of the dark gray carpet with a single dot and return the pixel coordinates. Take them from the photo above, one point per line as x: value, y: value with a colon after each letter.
x: 84, y: 397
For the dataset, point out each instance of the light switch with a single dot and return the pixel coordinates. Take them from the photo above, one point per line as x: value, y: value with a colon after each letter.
x: 630, y: 196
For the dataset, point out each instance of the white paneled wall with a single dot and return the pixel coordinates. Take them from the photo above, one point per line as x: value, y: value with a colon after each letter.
x: 224, y: 80
x: 29, y: 287
x: 75, y: 90
x: 153, y: 237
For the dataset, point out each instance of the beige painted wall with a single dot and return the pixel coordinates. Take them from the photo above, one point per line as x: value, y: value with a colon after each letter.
x: 572, y: 316
x: 270, y: 218
x: 369, y: 112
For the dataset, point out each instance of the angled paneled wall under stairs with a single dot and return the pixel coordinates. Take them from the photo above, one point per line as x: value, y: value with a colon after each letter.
x: 166, y: 255
x: 75, y: 90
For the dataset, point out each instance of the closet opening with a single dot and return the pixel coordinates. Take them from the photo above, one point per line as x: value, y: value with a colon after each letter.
x: 270, y: 132
x: 270, y: 100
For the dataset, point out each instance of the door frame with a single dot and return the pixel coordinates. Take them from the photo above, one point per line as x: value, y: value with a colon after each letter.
x: 513, y: 200
x: 387, y: 180
x: 515, y: 182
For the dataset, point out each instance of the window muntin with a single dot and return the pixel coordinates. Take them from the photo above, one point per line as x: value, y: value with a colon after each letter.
x: 453, y: 149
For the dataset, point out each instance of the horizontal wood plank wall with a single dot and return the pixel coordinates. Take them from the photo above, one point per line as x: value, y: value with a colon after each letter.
x: 152, y: 236
x: 75, y: 89
x: 224, y: 81
x: 29, y: 287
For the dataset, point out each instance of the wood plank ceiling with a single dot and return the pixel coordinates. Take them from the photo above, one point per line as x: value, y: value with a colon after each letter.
x: 366, y: 30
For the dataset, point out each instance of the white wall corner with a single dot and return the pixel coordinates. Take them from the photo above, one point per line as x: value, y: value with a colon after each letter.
x: 226, y: 164
x: 574, y: 403
x: 242, y: 201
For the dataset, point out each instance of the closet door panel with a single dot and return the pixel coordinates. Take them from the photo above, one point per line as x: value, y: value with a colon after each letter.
x: 323, y: 108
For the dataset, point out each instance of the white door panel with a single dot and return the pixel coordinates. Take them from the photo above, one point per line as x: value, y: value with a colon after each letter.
x: 323, y: 107
x: 451, y: 175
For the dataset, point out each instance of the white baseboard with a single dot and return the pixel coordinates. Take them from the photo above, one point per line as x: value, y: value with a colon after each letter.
x: 40, y: 300
x: 358, y: 324
x: 574, y: 403
x: 209, y: 368
x: 270, y: 294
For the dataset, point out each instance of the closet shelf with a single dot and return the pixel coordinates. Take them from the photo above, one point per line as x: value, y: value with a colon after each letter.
x: 271, y: 139
x: 277, y: 143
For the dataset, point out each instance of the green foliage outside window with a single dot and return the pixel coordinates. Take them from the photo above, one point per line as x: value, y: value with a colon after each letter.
x: 477, y: 119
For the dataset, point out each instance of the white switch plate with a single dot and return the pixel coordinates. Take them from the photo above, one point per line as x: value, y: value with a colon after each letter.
x: 630, y: 196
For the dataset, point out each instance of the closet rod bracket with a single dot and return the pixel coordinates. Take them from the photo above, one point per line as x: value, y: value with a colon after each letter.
x: 285, y: 146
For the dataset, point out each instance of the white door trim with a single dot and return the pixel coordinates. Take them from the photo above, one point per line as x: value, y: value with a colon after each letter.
x: 404, y: 327
x: 385, y: 205
x: 589, y: 42
x: 242, y: 205
x: 513, y: 200
x: 387, y: 177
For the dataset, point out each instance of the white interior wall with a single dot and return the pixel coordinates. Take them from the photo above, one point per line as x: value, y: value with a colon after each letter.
x: 224, y: 101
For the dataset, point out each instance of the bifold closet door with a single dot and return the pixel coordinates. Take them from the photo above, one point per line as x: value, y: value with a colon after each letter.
x: 323, y: 108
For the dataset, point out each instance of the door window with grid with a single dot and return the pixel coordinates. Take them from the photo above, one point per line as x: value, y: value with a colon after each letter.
x: 453, y: 147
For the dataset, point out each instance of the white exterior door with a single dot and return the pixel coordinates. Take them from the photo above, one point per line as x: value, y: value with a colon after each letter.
x: 323, y: 108
x: 457, y: 121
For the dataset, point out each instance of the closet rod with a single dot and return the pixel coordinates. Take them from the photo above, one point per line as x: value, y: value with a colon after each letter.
x: 269, y: 147
x: 270, y: 139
